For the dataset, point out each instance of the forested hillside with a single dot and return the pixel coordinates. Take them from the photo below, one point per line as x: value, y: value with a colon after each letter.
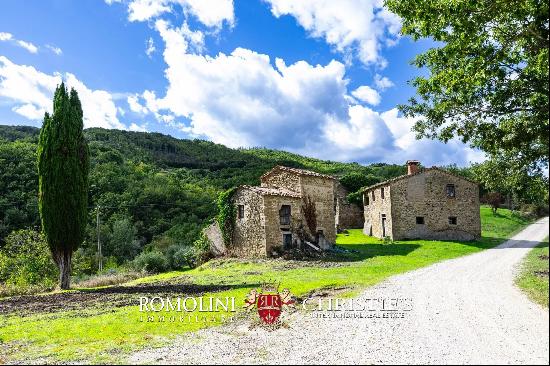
x: 152, y: 190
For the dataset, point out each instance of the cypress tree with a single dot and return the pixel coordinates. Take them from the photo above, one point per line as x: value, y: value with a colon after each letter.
x: 63, y: 167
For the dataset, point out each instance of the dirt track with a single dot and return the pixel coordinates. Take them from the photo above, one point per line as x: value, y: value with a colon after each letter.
x: 465, y: 310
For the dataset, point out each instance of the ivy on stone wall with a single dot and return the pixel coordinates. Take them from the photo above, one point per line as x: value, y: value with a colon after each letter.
x: 226, y: 214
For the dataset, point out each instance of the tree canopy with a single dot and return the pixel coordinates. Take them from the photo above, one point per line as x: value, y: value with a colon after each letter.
x: 487, y: 80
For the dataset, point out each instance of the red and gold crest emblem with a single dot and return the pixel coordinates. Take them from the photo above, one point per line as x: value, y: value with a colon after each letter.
x: 269, y: 302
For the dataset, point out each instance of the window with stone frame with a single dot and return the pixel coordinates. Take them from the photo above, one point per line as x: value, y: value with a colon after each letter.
x: 450, y: 190
x: 452, y: 220
x: 284, y: 215
x: 382, y: 193
x: 373, y: 196
x: 241, y: 212
x: 367, y: 200
x: 420, y: 220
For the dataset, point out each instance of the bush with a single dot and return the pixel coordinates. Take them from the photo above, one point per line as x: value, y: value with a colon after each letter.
x: 153, y: 262
x: 199, y: 253
x: 25, y: 260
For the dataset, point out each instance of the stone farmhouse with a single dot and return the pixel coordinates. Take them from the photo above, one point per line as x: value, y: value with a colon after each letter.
x: 423, y: 204
x: 267, y: 215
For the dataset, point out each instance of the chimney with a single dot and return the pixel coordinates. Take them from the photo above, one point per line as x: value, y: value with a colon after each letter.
x: 412, y: 166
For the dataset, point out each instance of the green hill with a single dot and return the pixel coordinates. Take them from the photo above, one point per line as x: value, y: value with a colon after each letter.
x: 152, y: 189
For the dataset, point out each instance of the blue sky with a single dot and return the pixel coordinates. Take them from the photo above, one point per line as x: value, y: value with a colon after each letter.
x: 316, y: 77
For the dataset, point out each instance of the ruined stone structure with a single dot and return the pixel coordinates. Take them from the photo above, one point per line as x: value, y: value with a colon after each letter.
x: 267, y: 216
x: 348, y: 214
x: 423, y: 204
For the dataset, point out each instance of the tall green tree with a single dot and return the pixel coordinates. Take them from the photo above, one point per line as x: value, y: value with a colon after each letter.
x: 63, y: 167
x: 487, y: 76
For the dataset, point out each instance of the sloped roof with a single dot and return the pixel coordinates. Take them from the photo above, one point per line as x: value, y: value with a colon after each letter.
x: 405, y: 176
x: 297, y: 171
x: 269, y: 191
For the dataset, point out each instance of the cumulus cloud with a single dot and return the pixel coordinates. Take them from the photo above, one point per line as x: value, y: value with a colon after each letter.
x: 243, y: 99
x: 367, y: 94
x: 382, y: 82
x: 31, y: 91
x: 353, y: 27
x: 212, y: 13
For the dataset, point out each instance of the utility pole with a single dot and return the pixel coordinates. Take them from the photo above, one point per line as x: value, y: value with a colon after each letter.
x: 99, y: 254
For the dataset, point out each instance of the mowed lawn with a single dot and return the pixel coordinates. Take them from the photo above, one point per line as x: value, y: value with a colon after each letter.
x: 533, y: 275
x: 108, y: 332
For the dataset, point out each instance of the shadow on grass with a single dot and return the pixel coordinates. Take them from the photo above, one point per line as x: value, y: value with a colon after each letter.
x: 105, y: 298
x: 360, y: 252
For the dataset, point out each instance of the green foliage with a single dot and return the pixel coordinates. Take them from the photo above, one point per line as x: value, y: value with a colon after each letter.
x: 63, y: 179
x: 196, y: 255
x: 152, y: 262
x: 509, y: 177
x: 25, y: 260
x: 354, y: 181
x: 123, y: 244
x: 487, y: 80
x: 226, y: 215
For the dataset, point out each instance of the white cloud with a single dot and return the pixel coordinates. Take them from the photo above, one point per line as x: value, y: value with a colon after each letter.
x: 54, y: 49
x: 353, y: 27
x: 31, y: 91
x: 138, y: 128
x: 28, y: 46
x: 367, y: 94
x: 382, y: 82
x: 150, y: 47
x: 4, y: 36
x: 8, y: 37
x: 135, y: 106
x: 241, y: 100
x: 212, y: 13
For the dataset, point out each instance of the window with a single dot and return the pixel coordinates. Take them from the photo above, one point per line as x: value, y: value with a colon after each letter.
x: 284, y: 215
x: 287, y: 241
x: 373, y: 196
x: 452, y: 220
x: 382, y: 192
x: 419, y: 220
x: 241, y: 211
x: 367, y: 199
x: 450, y: 190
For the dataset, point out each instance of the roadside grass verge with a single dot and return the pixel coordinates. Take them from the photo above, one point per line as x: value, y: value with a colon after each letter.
x: 107, y: 332
x: 533, y: 275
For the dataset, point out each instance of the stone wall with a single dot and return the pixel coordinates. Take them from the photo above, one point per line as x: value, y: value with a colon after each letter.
x: 375, y: 208
x: 282, y: 179
x: 249, y: 239
x: 348, y: 215
x: 425, y: 195
x: 273, y: 229
x: 321, y: 191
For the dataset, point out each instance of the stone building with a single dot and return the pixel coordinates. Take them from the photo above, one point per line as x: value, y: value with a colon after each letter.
x: 426, y: 203
x: 267, y: 215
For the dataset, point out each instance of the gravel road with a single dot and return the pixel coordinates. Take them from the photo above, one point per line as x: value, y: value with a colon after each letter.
x: 464, y: 311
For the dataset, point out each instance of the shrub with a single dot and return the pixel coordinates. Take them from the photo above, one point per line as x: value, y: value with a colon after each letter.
x: 199, y: 253
x: 153, y: 262
x: 25, y: 260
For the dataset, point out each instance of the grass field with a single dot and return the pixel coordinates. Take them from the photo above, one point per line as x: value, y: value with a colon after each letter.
x: 102, y: 325
x: 533, y: 275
